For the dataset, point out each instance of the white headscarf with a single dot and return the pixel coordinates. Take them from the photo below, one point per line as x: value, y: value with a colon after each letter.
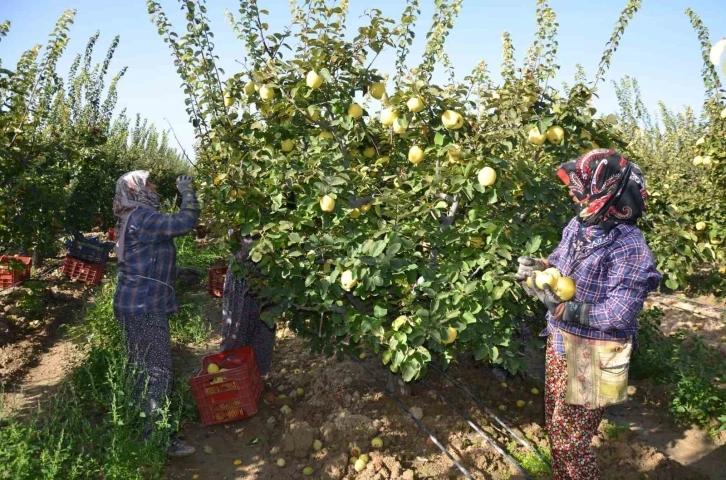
x: 131, y: 193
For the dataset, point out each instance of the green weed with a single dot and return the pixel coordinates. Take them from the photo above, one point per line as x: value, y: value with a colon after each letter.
x: 530, y: 461
x: 613, y: 430
x: 189, y: 327
x: 30, y: 299
x: 190, y: 254
x: 30, y: 302
x: 91, y: 428
x: 688, y: 366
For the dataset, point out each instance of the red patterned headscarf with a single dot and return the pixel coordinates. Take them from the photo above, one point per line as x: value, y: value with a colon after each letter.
x: 608, y: 189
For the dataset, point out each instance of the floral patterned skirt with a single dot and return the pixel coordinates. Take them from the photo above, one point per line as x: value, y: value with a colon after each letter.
x: 570, y: 427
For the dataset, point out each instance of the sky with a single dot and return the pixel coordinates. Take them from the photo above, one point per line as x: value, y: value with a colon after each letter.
x: 659, y: 48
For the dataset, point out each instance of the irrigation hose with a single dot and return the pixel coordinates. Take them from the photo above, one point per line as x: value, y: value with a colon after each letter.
x: 479, y: 430
x: 418, y: 423
x: 50, y: 269
x: 489, y: 412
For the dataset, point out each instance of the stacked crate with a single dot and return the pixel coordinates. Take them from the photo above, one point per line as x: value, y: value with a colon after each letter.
x: 86, y: 259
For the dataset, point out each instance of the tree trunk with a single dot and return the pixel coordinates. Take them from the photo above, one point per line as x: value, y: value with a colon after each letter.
x: 396, y: 386
x: 37, y: 259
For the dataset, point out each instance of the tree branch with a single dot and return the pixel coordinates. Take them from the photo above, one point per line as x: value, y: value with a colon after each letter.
x: 358, y: 304
x: 475, y: 273
x: 332, y: 309
x: 448, y: 219
x: 180, y: 145
x: 269, y: 52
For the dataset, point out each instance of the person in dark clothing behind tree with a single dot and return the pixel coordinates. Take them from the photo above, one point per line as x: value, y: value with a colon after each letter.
x: 242, y: 325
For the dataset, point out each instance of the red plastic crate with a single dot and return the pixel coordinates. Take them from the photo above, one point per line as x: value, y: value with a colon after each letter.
x: 236, y: 395
x: 11, y: 276
x: 86, y: 272
x: 111, y: 234
x: 216, y: 281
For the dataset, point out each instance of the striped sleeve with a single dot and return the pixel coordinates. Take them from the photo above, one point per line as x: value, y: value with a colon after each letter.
x: 632, y: 275
x: 158, y: 227
x: 556, y: 256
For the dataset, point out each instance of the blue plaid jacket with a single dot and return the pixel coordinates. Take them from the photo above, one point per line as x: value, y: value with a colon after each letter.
x: 615, y: 276
x: 150, y: 252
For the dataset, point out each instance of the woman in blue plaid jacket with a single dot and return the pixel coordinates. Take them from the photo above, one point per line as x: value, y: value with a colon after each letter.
x: 606, y: 255
x: 145, y: 295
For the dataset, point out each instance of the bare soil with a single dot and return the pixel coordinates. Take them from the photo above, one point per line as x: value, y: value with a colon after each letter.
x: 343, y: 406
x: 33, y: 345
x: 706, y: 318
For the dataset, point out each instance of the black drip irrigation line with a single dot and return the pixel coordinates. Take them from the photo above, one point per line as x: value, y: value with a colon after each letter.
x: 479, y: 430
x: 48, y: 270
x: 489, y: 412
x: 418, y: 423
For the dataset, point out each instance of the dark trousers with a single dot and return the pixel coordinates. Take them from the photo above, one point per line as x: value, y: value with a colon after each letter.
x: 148, y: 345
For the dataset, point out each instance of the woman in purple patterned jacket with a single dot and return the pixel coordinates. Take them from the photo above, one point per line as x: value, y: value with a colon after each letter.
x: 590, y: 337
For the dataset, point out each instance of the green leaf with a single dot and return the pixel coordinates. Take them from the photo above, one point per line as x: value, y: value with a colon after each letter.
x: 504, y: 254
x: 469, y: 317
x: 410, y: 369
x: 481, y: 353
x: 399, y: 322
x: 488, y: 228
x: 378, y: 248
x: 379, y: 312
x: 324, y: 286
x: 325, y: 73
x: 392, y: 250
x: 398, y: 358
x: 416, y: 337
x: 336, y: 181
x: 533, y: 244
x: 366, y: 247
x: 438, y: 139
x: 498, y: 292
